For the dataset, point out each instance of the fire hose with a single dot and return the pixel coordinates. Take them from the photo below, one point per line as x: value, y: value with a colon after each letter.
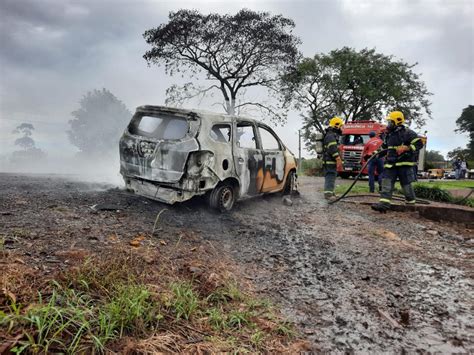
x: 344, y: 195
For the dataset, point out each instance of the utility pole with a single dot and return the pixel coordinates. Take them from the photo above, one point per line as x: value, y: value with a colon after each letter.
x: 299, y: 150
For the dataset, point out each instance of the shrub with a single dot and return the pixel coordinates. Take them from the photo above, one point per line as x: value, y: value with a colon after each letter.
x: 312, y: 167
x: 433, y: 193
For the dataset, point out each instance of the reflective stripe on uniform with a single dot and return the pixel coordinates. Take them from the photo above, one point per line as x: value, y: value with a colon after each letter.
x: 335, y: 154
x: 330, y: 144
x: 386, y: 200
x: 415, y: 140
x: 405, y: 163
x: 329, y: 162
x: 388, y: 166
x: 411, y: 202
x: 412, y: 147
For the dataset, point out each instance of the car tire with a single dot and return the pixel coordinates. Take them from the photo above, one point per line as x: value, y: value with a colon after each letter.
x: 344, y: 175
x: 222, y: 198
x: 290, y: 183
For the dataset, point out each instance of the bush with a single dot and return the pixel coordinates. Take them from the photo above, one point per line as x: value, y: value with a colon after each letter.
x: 433, y: 193
x: 312, y: 167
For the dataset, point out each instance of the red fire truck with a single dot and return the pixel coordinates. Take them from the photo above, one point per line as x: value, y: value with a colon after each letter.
x: 351, y: 144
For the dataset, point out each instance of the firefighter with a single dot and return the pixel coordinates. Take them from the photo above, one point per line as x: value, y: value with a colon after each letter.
x: 401, y: 144
x: 331, y: 155
x: 376, y: 164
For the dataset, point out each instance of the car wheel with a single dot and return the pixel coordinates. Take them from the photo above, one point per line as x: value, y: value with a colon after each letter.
x: 344, y: 175
x: 222, y: 197
x: 290, y: 184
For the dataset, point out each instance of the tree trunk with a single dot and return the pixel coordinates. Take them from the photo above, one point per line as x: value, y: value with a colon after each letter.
x: 230, y: 106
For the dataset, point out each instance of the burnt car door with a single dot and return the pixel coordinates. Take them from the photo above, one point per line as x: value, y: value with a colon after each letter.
x: 248, y: 158
x: 274, y: 160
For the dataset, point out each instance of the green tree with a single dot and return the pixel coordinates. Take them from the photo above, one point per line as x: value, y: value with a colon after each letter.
x: 434, y: 156
x: 234, y: 53
x: 25, y: 142
x: 29, y: 152
x: 356, y: 85
x: 98, y: 123
x: 465, y: 124
x: 458, y: 152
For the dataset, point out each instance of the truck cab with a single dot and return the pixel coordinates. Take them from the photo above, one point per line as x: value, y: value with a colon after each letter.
x: 354, y: 136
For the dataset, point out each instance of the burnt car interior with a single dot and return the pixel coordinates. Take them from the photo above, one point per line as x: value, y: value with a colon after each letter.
x: 246, y: 136
x: 159, y: 126
x: 221, y: 133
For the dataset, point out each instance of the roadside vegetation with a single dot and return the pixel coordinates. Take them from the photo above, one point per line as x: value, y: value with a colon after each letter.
x: 430, y: 190
x: 122, y: 304
x: 311, y: 167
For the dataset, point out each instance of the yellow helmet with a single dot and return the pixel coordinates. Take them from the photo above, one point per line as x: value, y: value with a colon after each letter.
x: 397, y: 117
x: 336, y: 122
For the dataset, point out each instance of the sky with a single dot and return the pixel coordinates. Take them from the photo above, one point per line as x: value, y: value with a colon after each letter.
x: 54, y: 51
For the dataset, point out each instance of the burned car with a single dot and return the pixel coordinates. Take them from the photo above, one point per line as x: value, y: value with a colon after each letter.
x: 170, y: 155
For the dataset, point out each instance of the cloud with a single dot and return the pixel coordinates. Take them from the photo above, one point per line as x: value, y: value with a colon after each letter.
x: 53, y: 52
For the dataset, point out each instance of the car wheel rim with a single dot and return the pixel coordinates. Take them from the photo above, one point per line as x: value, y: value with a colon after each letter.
x: 226, y: 198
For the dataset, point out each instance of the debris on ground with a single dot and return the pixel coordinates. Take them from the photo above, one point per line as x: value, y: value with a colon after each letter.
x: 349, y: 279
x: 287, y: 201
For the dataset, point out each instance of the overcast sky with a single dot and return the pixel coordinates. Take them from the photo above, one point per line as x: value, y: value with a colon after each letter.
x: 53, y: 52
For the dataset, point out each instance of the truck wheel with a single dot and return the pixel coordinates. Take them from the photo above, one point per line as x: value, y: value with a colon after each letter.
x: 222, y: 198
x: 344, y: 175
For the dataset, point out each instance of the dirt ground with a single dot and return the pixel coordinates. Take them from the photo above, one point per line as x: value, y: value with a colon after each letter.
x: 350, y: 278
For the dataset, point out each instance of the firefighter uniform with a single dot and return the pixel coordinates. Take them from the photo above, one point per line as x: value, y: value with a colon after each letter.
x: 401, y: 144
x: 330, y: 156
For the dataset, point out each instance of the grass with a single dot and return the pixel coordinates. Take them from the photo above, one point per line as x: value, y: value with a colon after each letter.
x: 361, y: 187
x: 90, y: 308
x: 430, y: 190
x: 449, y: 184
x: 184, y: 302
x: 72, y: 321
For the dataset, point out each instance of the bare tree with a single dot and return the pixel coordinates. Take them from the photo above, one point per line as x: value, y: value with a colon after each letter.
x: 247, y: 50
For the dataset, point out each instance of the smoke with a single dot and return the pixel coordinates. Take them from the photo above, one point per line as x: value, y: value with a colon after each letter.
x: 104, y: 170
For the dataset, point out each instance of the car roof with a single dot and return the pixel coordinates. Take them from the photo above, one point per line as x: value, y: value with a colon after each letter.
x: 213, y: 116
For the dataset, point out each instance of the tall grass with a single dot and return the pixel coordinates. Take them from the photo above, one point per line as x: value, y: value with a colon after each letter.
x: 72, y: 321
x: 89, y: 308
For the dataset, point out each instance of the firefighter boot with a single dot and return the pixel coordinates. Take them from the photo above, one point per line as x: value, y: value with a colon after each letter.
x: 329, y: 196
x: 409, y: 193
x: 381, y: 207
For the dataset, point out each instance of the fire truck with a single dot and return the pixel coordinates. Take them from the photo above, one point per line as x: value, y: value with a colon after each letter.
x: 351, y: 144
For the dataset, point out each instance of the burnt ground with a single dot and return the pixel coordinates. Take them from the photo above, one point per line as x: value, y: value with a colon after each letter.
x: 350, y: 278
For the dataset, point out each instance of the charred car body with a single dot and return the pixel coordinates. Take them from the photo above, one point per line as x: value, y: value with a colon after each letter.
x: 171, y: 155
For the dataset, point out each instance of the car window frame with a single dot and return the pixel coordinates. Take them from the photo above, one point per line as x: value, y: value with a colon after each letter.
x: 132, y: 127
x: 222, y: 124
x: 255, y: 134
x: 269, y: 130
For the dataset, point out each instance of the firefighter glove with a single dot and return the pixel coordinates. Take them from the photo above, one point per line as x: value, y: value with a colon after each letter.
x: 402, y: 149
